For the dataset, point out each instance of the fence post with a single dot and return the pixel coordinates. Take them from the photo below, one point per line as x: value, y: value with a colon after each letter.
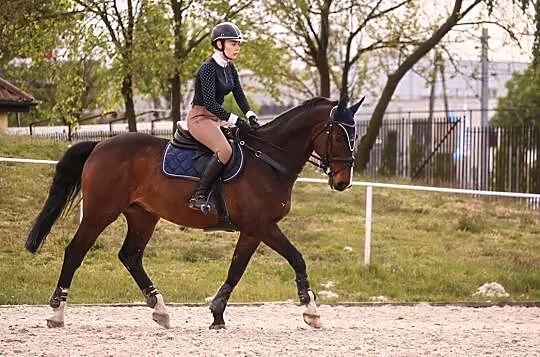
x: 367, y: 238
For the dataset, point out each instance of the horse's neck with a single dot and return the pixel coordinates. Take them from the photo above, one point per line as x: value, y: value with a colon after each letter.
x: 294, y: 136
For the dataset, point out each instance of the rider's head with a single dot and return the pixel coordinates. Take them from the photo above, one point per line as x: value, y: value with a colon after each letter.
x: 226, y: 38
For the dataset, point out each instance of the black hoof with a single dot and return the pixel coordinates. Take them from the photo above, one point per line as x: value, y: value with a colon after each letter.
x: 217, y: 327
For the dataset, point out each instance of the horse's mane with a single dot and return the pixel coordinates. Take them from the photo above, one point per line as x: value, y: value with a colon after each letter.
x: 306, y: 105
x: 316, y: 101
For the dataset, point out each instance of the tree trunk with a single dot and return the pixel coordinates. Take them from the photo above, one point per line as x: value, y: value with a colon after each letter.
x: 178, y: 55
x: 324, y: 73
x: 127, y: 94
x: 175, y: 100
x: 344, y: 90
x: 368, y: 140
x: 322, y: 61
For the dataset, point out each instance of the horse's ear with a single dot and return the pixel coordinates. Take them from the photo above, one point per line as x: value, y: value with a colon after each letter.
x: 342, y: 103
x: 355, y: 107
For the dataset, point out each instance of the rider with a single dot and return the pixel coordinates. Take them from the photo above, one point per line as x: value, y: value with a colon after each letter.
x: 216, y: 78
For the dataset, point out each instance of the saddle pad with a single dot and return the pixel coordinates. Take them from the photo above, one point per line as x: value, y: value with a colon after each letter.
x: 179, y: 162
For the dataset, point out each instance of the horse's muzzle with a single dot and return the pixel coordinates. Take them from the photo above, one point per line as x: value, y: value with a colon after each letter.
x: 341, y: 186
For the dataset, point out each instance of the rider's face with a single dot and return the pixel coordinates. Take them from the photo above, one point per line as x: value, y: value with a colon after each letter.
x: 232, y: 49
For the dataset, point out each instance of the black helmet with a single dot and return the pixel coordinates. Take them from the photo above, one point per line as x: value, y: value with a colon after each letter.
x: 226, y: 31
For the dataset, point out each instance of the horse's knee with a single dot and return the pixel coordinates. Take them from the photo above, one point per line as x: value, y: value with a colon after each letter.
x: 130, y: 258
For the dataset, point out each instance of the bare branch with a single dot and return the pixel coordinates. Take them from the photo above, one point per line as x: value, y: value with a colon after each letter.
x: 119, y: 19
x: 505, y: 28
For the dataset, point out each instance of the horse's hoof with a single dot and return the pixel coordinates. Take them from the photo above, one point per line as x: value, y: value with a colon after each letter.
x: 217, y: 327
x: 162, y: 319
x: 54, y: 323
x: 312, y: 320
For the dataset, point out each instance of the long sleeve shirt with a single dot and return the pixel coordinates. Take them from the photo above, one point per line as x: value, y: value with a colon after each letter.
x: 214, y: 80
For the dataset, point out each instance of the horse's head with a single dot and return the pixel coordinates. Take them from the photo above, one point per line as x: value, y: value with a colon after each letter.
x: 335, y: 144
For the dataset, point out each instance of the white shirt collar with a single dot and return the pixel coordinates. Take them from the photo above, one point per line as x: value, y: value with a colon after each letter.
x: 219, y: 59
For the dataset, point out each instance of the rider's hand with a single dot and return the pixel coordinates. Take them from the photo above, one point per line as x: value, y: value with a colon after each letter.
x: 252, y: 119
x: 242, y: 125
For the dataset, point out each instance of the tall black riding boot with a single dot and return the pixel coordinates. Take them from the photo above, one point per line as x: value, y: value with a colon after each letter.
x: 199, y: 198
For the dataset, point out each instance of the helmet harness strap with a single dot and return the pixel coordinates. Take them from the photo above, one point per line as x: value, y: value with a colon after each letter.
x: 222, y: 49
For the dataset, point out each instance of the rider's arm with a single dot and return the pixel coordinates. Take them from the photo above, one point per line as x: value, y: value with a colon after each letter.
x: 238, y: 93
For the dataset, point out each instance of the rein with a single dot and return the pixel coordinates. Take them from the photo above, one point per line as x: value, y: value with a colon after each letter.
x: 322, y: 163
x: 266, y: 158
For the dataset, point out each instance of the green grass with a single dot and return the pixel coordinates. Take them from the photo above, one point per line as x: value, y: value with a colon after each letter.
x: 425, y: 246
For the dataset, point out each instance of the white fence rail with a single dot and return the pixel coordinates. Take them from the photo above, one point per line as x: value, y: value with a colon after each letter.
x: 369, y: 196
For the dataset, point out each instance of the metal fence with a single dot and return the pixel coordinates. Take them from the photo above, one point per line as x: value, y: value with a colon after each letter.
x: 449, y: 152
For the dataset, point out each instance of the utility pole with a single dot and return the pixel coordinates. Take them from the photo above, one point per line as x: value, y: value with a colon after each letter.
x: 485, y: 79
x: 484, y: 96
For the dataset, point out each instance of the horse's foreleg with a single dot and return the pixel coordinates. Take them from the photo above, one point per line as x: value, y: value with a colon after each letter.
x: 276, y: 240
x: 245, y: 247
x: 86, y: 235
x: 141, y: 225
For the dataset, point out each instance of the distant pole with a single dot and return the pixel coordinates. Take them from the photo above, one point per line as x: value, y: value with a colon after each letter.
x: 485, y: 79
x: 484, y: 165
x: 367, y: 237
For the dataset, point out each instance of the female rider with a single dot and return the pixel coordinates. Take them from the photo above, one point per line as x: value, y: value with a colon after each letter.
x: 216, y: 78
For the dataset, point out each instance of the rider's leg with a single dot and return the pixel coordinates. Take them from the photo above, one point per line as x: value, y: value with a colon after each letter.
x: 204, y: 127
x: 208, y: 176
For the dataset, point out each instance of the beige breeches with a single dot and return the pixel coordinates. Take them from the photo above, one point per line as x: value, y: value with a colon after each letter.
x: 205, y: 127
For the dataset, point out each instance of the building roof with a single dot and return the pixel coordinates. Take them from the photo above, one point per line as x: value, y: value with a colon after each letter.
x: 13, y: 98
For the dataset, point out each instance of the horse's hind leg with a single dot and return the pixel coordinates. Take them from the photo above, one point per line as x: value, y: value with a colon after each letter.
x: 245, y: 247
x: 87, y: 233
x: 141, y: 224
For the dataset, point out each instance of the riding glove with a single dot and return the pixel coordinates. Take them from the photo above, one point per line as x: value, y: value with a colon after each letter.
x: 242, y: 125
x: 252, y: 119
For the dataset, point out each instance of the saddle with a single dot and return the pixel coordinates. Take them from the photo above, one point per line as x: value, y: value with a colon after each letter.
x: 185, y: 157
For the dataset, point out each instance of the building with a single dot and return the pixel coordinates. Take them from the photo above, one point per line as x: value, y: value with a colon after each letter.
x: 12, y: 100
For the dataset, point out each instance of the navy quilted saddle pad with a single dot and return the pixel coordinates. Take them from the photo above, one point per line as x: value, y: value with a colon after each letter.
x: 180, y: 163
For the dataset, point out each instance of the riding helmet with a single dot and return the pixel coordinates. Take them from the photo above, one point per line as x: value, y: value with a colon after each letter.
x: 226, y: 31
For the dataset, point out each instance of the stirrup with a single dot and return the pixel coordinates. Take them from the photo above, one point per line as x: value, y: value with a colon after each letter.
x: 200, y: 202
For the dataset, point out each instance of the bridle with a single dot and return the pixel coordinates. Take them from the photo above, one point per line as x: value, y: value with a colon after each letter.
x: 324, y: 162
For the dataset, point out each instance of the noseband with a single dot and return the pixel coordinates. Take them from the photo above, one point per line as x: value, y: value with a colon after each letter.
x: 324, y: 162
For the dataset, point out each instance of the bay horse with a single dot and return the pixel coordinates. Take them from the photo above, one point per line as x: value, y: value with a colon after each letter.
x: 122, y: 175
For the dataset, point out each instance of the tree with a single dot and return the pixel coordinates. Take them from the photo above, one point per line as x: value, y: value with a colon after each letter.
x: 118, y: 23
x: 410, y: 54
x: 521, y: 105
x: 31, y: 29
x: 40, y: 47
x: 333, y: 37
x: 185, y: 26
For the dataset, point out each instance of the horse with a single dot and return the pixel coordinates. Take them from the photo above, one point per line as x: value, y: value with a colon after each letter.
x: 132, y: 163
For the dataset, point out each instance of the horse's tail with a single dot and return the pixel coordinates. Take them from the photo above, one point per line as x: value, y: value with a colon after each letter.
x: 65, y: 186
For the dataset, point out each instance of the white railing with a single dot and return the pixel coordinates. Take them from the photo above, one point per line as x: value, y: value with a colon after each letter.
x: 369, y: 196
